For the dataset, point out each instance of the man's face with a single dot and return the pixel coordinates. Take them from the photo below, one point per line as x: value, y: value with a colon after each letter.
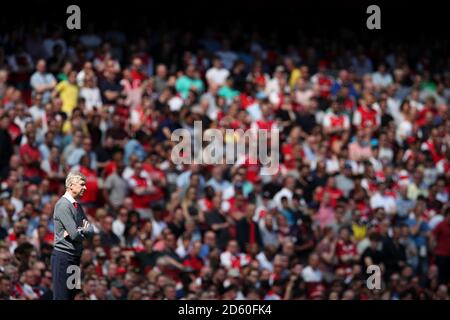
x: 170, y: 293
x: 47, y: 279
x: 290, y: 183
x: 217, y: 63
x: 107, y: 224
x: 137, y: 63
x: 5, y: 123
x: 161, y: 71
x: 41, y: 66
x: 314, y: 261
x: 73, y: 77
x: 87, y: 144
x: 210, y: 239
x: 5, y: 286
x: 30, y: 278
x: 344, y: 234
x: 233, y: 247
x: 4, y: 259
x: 31, y: 136
x: 148, y: 246
x: 78, y: 188
x: 171, y: 241
x: 117, y: 292
x: 196, y: 248
x: 190, y: 72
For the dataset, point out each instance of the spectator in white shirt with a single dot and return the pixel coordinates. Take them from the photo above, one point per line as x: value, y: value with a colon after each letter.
x: 228, y: 57
x: 119, y: 224
x: 415, y: 101
x: 43, y: 82
x: 312, y: 272
x: 382, y: 200
x: 88, y: 68
x: 217, y: 74
x: 217, y: 181
x: 287, y: 191
x: 91, y: 93
x: 381, y: 78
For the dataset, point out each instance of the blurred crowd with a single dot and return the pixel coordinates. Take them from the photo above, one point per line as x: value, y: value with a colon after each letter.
x: 363, y: 177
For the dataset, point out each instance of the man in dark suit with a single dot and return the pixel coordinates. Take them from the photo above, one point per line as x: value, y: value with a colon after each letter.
x: 71, y: 227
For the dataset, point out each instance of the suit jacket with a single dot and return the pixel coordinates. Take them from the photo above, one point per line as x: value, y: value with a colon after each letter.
x: 68, y: 218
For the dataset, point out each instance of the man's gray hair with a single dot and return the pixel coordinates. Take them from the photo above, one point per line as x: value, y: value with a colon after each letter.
x: 73, y: 177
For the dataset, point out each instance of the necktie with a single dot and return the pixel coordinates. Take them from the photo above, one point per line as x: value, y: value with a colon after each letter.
x: 75, y: 204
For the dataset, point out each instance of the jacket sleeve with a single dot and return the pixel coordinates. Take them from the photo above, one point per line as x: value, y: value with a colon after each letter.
x: 89, y: 232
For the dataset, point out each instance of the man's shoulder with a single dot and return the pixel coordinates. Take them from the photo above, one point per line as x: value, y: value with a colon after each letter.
x: 35, y: 76
x: 62, y: 201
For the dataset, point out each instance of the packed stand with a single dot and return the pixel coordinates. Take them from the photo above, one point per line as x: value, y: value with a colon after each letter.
x: 363, y: 177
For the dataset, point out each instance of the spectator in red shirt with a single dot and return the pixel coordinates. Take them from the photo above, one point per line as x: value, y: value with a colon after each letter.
x: 334, y: 193
x: 141, y: 191
x: 441, y: 235
x: 53, y: 169
x: 193, y: 260
x: 31, y: 158
x: 90, y: 197
x: 346, y: 251
x: 366, y: 116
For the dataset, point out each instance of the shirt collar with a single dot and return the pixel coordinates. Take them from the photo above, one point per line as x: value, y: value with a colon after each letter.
x: 69, y: 197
